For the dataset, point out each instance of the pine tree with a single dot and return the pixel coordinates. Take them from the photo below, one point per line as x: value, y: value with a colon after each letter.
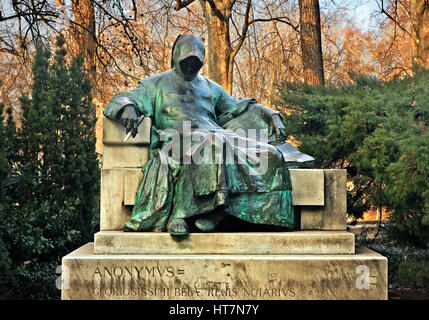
x: 53, y: 190
x: 6, y: 137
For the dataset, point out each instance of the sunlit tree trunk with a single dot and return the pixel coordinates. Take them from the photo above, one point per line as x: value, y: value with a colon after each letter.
x: 311, y: 42
x: 217, y: 14
x: 218, y: 55
x: 84, y: 35
x: 420, y: 32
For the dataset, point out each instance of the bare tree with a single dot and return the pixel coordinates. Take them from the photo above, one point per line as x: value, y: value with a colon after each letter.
x: 218, y: 16
x: 420, y: 31
x: 311, y: 42
x: 84, y: 35
x: 416, y: 26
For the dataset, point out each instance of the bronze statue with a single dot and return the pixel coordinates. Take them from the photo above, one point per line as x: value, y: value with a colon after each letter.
x: 208, y: 157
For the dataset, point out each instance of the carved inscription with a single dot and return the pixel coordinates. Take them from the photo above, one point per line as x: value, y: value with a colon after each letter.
x: 167, y: 281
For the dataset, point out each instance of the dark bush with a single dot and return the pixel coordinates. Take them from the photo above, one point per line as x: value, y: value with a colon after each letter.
x: 49, y: 177
x: 379, y: 132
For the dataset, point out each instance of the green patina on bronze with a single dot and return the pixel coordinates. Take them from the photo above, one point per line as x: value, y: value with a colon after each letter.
x: 172, y: 190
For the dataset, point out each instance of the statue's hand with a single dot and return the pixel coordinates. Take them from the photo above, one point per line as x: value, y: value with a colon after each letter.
x: 129, y: 119
x: 279, y: 127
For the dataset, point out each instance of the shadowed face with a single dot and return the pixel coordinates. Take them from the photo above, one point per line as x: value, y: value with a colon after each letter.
x: 190, y: 66
x: 188, y: 56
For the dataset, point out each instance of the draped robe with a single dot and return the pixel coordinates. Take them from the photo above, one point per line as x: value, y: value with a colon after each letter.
x: 217, y: 168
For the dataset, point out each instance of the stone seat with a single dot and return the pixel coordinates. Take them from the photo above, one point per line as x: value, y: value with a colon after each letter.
x: 319, y: 194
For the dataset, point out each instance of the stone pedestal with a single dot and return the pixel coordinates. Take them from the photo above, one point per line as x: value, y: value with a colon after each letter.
x: 86, y: 275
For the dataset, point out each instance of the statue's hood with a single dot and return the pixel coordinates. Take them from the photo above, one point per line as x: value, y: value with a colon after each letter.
x: 188, y: 56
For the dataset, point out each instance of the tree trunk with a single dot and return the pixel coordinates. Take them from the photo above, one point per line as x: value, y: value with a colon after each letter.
x: 84, y: 35
x: 420, y: 31
x: 217, y: 20
x: 311, y: 42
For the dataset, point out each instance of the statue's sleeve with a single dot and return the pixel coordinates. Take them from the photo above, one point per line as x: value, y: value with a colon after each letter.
x: 142, y: 97
x: 227, y: 107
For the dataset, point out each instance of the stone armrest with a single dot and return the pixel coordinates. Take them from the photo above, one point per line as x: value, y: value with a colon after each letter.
x: 133, y: 153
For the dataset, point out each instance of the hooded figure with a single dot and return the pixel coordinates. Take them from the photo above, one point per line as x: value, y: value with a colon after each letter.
x: 204, y: 160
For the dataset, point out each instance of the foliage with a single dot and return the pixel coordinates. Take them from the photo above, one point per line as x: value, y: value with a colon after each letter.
x: 413, y: 273
x: 378, y: 131
x: 49, y: 177
x: 5, y: 146
x: 408, y: 266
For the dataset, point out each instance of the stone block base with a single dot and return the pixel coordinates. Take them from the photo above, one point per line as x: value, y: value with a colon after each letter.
x: 296, y: 242
x: 269, y: 277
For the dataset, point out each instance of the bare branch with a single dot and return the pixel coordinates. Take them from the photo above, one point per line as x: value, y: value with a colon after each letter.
x: 10, y: 51
x: 390, y: 17
x: 243, y: 32
x: 216, y: 11
x: 26, y: 14
x: 182, y: 4
x: 279, y: 19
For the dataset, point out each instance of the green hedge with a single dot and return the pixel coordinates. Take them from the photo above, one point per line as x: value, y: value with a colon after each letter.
x: 379, y: 132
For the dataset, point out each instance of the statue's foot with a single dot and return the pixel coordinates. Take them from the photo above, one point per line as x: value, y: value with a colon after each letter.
x: 129, y: 227
x: 209, y: 222
x: 178, y: 228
